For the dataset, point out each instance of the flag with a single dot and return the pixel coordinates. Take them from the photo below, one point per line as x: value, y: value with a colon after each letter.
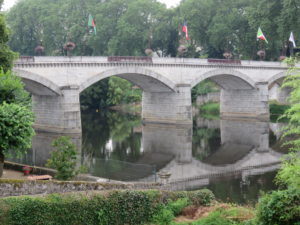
x: 292, y: 39
x: 92, y: 24
x: 261, y: 36
x: 185, y: 30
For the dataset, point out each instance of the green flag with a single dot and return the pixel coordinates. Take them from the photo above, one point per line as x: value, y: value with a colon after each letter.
x: 261, y: 36
x: 92, y: 24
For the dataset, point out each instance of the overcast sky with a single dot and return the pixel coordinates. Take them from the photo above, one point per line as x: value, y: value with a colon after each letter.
x: 9, y: 3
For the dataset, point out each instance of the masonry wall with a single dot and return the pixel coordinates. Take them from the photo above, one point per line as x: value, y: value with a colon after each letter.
x: 58, y: 113
x: 252, y: 103
x: 19, y: 187
x: 168, y: 107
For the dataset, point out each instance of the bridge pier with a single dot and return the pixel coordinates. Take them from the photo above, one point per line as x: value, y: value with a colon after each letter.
x: 168, y: 107
x: 58, y: 113
x: 245, y: 103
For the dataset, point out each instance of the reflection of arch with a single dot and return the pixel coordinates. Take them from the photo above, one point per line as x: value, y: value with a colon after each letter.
x: 226, y: 72
x: 146, y: 79
x: 198, y: 170
x: 37, y: 84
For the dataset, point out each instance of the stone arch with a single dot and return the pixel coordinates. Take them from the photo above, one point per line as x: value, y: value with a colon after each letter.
x: 276, y: 77
x: 247, y: 82
x: 146, y: 79
x: 37, y: 84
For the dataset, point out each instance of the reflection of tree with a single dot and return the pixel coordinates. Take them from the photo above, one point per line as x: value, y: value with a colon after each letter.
x: 205, y: 142
x: 99, y: 128
x: 95, y: 131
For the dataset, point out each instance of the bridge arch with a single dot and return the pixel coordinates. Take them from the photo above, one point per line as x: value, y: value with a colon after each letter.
x: 146, y: 79
x: 278, y: 76
x: 276, y: 92
x: 37, y: 84
x: 223, y: 77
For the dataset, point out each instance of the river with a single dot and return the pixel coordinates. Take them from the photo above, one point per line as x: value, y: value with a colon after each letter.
x: 235, y: 159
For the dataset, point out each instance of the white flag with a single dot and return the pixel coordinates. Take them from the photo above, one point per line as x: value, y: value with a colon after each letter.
x: 292, y: 39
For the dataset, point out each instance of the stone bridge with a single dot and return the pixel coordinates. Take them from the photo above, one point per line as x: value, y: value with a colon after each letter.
x: 56, y: 83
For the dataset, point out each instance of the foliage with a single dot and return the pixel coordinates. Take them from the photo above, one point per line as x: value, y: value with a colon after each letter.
x: 124, y: 27
x: 121, y: 91
x: 282, y: 207
x: 95, y: 96
x: 289, y: 173
x: 293, y: 113
x: 277, y: 110
x: 178, y: 205
x: 15, y: 127
x: 64, y: 158
x: 225, y: 214
x: 12, y: 89
x: 6, y: 55
x: 111, y: 208
x: 203, y: 88
x: 164, y: 216
x: 201, y: 197
x: 210, y: 108
x: 279, y: 207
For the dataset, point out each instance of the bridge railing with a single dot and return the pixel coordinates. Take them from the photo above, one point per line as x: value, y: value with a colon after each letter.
x: 129, y: 59
x: 225, y: 61
x: 26, y: 59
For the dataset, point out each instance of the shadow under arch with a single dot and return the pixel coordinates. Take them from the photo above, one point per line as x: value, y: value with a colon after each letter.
x: 146, y: 79
x: 37, y: 84
x: 243, y: 79
x: 277, y: 77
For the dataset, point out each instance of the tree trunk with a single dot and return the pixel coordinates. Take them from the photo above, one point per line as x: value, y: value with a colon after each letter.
x: 1, y: 163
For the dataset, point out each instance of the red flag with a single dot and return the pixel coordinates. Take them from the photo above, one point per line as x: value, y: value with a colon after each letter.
x: 185, y: 30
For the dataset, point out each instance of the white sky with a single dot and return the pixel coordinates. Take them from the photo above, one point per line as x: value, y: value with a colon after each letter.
x: 9, y: 3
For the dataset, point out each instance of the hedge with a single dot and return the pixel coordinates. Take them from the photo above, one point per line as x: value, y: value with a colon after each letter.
x: 101, y: 208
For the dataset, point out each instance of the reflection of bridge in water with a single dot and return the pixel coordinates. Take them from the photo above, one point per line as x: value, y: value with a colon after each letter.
x: 244, y: 151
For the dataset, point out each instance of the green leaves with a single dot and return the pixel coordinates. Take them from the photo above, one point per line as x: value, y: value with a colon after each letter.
x: 12, y: 90
x: 15, y: 127
x: 64, y: 158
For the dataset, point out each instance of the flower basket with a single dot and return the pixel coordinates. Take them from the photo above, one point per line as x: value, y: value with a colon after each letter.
x: 26, y: 170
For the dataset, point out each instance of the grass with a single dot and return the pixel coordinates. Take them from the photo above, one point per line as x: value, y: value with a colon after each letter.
x: 224, y: 214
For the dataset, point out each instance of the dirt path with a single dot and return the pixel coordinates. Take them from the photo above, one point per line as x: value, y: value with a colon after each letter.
x: 12, y: 174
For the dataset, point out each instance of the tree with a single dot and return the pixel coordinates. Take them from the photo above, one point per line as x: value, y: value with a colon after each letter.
x: 16, y: 129
x: 6, y: 55
x: 121, y: 91
x: 12, y: 90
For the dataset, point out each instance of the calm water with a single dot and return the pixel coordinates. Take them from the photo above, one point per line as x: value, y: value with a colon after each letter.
x: 235, y: 159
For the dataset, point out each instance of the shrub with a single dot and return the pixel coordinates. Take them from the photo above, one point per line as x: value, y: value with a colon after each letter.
x: 280, y: 207
x: 64, y: 158
x: 201, y: 197
x: 177, y: 206
x: 163, y: 217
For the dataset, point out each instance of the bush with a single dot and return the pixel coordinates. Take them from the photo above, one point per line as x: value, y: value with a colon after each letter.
x: 163, y: 217
x: 64, y: 158
x: 201, y: 197
x: 177, y: 206
x: 114, y: 208
x: 280, y: 207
